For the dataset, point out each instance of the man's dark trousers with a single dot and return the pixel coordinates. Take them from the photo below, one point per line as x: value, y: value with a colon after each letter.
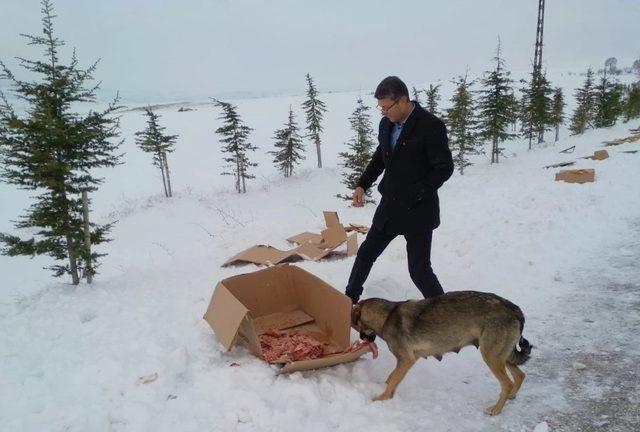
x: 418, y: 255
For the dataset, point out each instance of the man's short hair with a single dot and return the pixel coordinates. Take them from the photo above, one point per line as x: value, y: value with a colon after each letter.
x: 391, y: 87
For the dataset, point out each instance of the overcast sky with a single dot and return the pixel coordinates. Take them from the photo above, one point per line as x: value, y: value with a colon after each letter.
x: 199, y: 48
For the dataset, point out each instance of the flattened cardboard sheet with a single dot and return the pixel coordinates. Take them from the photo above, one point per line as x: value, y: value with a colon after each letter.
x: 311, y: 246
x: 305, y: 237
x: 331, y: 219
x: 599, y: 155
x: 312, y: 252
x: 576, y: 176
x: 263, y: 254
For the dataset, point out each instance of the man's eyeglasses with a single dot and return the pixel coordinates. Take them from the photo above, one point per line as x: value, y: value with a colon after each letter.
x: 384, y: 110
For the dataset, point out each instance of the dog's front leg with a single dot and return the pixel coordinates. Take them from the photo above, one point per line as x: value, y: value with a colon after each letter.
x: 402, y: 367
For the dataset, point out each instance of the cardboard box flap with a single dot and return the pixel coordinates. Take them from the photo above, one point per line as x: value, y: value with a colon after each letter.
x: 225, y: 314
x: 262, y: 254
x: 280, y: 321
x: 324, y: 361
x: 331, y: 219
x: 330, y: 308
x: 264, y: 292
x: 305, y: 237
x: 247, y: 335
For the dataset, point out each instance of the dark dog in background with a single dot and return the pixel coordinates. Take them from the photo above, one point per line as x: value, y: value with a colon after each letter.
x: 433, y: 327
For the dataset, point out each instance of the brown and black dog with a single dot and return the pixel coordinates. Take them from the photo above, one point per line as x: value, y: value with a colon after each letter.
x: 433, y: 327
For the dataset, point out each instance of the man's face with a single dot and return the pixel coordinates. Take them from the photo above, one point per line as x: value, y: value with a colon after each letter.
x: 394, y: 110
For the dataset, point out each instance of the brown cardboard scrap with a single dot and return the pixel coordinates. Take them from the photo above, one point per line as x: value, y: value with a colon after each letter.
x: 358, y: 228
x: 305, y: 237
x: 598, y: 155
x: 576, y: 175
x: 331, y: 218
x: 619, y: 141
x: 311, y: 246
x: 265, y: 255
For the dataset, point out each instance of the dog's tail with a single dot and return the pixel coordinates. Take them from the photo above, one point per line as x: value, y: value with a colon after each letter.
x: 521, y: 352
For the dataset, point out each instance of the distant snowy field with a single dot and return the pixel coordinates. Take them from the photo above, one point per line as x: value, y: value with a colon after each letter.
x: 70, y: 357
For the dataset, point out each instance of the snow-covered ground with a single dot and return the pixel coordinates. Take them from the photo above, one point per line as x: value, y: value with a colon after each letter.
x: 70, y: 357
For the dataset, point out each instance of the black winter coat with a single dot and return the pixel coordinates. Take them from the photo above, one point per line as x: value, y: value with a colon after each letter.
x: 419, y: 164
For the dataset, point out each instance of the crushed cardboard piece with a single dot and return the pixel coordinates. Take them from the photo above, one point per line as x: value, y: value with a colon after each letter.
x: 311, y: 246
x: 598, y: 155
x: 358, y: 228
x: 148, y: 379
x: 283, y: 289
x: 619, y: 141
x: 576, y: 175
x: 265, y: 255
x: 561, y: 164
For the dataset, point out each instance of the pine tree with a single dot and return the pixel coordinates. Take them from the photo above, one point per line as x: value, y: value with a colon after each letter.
x: 416, y: 95
x: 361, y: 146
x: 235, y: 136
x: 314, y: 108
x: 583, y: 115
x: 289, y: 146
x: 632, y: 102
x: 496, y: 105
x: 536, y: 107
x: 557, y: 111
x: 433, y: 98
x: 153, y: 140
x: 607, y: 102
x: 636, y: 67
x: 461, y: 123
x: 53, y: 150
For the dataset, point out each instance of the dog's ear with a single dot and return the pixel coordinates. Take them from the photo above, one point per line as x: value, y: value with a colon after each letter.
x: 355, y: 314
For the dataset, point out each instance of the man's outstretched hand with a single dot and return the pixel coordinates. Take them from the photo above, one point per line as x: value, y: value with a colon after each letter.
x: 358, y: 197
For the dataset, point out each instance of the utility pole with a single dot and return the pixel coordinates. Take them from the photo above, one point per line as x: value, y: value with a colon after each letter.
x: 537, y: 62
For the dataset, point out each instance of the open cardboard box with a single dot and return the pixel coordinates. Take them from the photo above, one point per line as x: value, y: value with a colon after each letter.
x: 310, y: 246
x: 283, y: 297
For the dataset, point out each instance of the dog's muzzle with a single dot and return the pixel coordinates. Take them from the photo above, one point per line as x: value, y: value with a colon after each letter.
x: 368, y: 337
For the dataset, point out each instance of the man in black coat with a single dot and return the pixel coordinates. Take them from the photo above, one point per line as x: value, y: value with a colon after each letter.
x: 414, y: 155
